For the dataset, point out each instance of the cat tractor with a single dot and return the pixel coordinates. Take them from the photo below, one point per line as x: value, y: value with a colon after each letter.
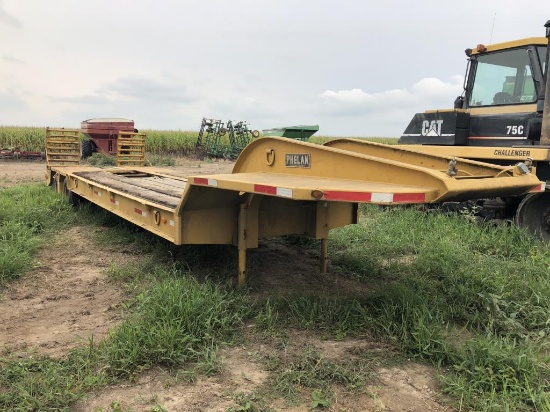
x: 502, y: 117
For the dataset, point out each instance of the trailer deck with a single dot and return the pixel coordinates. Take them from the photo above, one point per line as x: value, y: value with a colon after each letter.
x: 281, y: 187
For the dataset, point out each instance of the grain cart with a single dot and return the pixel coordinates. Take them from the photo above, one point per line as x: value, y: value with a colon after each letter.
x: 102, y: 134
x: 502, y: 117
x: 303, y: 132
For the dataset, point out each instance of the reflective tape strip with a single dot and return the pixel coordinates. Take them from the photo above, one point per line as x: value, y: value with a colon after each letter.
x: 273, y: 190
x: 409, y: 198
x: 206, y: 182
x: 97, y: 193
x: 140, y: 212
x: 348, y: 196
x: 268, y: 190
x: 172, y: 223
x: 284, y: 192
x: 368, y: 197
x: 539, y: 188
x: 113, y: 200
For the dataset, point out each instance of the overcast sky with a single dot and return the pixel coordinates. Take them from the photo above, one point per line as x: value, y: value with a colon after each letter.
x: 355, y: 67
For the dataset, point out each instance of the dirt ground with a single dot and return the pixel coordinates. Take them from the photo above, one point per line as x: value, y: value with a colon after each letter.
x: 67, y: 299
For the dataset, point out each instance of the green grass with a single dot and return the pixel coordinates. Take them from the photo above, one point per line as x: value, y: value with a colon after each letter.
x: 472, y: 300
x: 28, y: 214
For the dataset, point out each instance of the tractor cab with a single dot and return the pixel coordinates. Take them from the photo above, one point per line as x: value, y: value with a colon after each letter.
x: 509, y: 76
x: 502, y: 102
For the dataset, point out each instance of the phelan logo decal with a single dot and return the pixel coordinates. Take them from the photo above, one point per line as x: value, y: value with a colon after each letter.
x: 298, y: 160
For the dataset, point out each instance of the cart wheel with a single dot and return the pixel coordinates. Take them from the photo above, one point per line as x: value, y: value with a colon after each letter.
x: 87, y: 148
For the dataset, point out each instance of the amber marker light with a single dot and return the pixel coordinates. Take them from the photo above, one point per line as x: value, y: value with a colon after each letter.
x: 481, y: 48
x: 317, y: 194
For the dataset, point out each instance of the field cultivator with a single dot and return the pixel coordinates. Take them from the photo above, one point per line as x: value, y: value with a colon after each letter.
x: 212, y: 140
x: 16, y: 153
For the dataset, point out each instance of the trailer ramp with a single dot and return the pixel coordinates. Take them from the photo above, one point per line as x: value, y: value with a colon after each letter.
x: 282, y: 187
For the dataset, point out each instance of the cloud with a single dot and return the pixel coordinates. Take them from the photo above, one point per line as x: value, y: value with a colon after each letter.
x: 148, y: 89
x: 11, y: 59
x: 7, y: 19
x: 356, y: 101
x: 10, y: 102
x: 386, y: 113
x: 89, y: 99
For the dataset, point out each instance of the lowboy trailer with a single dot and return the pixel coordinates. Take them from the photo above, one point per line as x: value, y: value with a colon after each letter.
x: 277, y: 187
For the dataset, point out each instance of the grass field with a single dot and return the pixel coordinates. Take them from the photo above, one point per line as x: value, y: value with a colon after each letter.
x: 472, y: 300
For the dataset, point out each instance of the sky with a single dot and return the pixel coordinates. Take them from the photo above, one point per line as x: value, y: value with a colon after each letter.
x: 354, y: 67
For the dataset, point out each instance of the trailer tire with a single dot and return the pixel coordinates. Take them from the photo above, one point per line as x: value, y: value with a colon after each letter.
x: 87, y: 148
x: 53, y: 183
x: 72, y: 198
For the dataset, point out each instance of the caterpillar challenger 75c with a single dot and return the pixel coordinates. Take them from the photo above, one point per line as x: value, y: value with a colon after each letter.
x: 502, y: 117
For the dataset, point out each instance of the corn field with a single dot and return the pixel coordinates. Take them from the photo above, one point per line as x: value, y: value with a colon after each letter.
x: 159, y: 142
x: 26, y: 138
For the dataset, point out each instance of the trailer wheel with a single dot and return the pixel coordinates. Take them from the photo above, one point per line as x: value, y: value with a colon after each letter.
x: 53, y: 183
x: 87, y: 148
x: 72, y: 198
x: 534, y: 214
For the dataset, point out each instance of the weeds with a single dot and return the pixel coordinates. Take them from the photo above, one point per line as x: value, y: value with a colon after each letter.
x: 27, y: 215
x: 472, y: 300
x: 176, y: 322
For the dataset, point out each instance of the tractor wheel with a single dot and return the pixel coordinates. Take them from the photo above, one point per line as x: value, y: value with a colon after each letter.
x: 87, y: 148
x: 534, y: 214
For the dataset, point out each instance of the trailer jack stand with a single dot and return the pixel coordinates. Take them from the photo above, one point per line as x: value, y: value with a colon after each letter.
x: 243, y: 215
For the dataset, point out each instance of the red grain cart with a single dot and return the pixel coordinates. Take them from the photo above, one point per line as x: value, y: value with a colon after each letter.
x: 102, y: 134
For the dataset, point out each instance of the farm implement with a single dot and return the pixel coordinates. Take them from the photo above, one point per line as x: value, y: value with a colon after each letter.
x: 15, y: 153
x: 278, y: 187
x: 218, y: 140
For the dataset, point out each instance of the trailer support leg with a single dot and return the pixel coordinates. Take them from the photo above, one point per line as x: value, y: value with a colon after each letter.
x: 242, y: 243
x: 324, y: 256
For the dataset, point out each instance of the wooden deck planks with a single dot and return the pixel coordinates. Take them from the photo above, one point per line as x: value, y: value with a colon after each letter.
x: 155, y: 189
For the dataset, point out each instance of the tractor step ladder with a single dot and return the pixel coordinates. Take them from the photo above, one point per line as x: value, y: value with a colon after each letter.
x: 62, y: 147
x: 130, y: 150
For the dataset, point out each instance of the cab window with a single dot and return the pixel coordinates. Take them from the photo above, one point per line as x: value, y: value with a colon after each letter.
x: 503, y: 78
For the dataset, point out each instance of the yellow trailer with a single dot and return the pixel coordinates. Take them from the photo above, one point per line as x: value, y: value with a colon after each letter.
x: 277, y: 187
